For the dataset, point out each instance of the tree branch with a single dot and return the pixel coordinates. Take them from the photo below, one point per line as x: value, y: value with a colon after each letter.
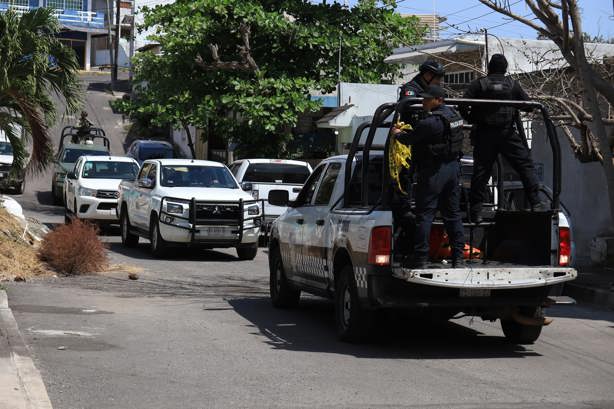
x: 247, y: 62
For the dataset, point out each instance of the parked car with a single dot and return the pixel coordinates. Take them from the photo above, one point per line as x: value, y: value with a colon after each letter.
x: 141, y: 150
x: 92, y: 188
x: 259, y: 176
x: 185, y: 202
x: 342, y: 239
x: 10, y: 179
x: 65, y: 161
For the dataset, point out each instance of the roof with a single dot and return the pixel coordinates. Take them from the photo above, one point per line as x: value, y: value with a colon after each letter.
x: 282, y: 161
x: 186, y: 162
x: 85, y: 147
x: 152, y: 142
x: 108, y: 158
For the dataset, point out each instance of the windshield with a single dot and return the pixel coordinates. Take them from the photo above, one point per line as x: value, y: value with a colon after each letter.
x: 110, y: 170
x: 197, y: 176
x: 276, y: 173
x: 6, y: 148
x: 155, y: 152
x: 73, y: 155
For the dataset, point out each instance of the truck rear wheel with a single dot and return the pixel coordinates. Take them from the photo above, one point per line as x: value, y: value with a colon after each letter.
x: 353, y: 322
x: 282, y: 294
x: 523, y: 334
x: 247, y: 252
x: 128, y: 239
x: 157, y: 245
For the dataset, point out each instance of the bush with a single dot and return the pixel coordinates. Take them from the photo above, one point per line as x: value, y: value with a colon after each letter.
x: 74, y: 249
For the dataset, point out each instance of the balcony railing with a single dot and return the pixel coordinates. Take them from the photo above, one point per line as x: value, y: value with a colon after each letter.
x: 72, y: 18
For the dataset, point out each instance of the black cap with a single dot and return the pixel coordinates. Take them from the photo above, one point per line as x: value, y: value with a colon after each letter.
x: 497, y: 64
x: 432, y: 66
x: 433, y: 91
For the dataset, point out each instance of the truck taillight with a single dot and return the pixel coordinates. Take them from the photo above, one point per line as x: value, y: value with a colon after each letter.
x: 380, y: 246
x: 564, y: 246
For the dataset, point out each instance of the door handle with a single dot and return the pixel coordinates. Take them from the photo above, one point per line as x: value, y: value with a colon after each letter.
x: 296, y: 190
x: 320, y: 222
x: 300, y: 221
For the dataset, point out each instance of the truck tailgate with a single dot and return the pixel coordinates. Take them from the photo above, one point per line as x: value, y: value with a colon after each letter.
x: 485, y: 277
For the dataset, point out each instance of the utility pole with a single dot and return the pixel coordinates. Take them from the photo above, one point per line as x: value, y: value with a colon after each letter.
x: 114, y: 75
x: 486, y: 49
x: 132, y: 35
x: 110, y: 42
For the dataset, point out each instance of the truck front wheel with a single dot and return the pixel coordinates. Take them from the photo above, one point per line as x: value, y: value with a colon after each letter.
x: 523, y: 334
x: 128, y: 239
x: 282, y: 294
x: 247, y: 252
x: 157, y: 245
x: 353, y: 322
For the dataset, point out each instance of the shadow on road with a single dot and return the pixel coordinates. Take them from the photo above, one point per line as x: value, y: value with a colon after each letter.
x: 176, y: 254
x: 311, y: 328
x: 45, y: 198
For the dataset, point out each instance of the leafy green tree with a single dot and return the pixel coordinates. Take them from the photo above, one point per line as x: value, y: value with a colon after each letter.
x: 34, y: 67
x: 244, y: 70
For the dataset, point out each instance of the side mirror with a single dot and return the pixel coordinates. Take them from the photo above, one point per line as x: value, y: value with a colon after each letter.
x: 279, y: 197
x: 146, y: 183
x: 247, y: 186
x: 71, y: 175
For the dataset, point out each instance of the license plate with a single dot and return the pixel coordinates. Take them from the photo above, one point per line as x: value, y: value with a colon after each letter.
x: 474, y: 292
x: 216, y: 231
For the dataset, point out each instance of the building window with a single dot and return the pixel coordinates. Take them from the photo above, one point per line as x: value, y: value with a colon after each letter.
x: 65, y: 4
x: 459, y: 78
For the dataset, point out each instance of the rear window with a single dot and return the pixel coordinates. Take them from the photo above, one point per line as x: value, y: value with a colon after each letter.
x: 155, y: 152
x: 110, y: 170
x: 73, y: 155
x: 276, y: 173
x: 374, y: 185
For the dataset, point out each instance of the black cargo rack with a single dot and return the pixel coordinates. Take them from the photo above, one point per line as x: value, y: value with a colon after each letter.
x: 384, y: 111
x: 239, y: 222
x: 94, y: 134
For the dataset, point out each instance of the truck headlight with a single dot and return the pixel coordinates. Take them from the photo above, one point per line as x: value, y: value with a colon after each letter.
x: 253, y: 210
x: 174, y: 208
x: 83, y: 191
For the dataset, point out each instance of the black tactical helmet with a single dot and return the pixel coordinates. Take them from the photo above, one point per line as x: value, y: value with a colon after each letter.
x: 432, y: 66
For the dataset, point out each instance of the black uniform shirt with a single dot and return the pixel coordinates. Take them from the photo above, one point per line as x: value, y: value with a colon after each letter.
x: 475, y: 89
x: 428, y: 130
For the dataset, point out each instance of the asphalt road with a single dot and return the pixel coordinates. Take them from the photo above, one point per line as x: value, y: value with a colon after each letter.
x: 197, y: 330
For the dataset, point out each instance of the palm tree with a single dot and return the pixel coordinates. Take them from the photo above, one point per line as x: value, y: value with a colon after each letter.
x: 34, y: 67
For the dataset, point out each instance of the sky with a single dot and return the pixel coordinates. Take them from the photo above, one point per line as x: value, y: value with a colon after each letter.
x: 471, y: 15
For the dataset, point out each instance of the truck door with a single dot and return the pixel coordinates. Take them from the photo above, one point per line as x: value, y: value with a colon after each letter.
x: 139, y: 215
x: 72, y: 186
x: 317, y: 228
x: 291, y: 230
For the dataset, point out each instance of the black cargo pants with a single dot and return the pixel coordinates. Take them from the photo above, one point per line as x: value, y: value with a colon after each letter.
x: 488, y: 144
x: 438, y: 188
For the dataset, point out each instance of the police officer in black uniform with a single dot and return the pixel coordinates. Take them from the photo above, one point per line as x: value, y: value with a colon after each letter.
x: 496, y: 133
x: 437, y: 147
x: 430, y: 73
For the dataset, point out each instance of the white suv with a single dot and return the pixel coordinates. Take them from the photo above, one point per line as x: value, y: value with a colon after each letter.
x: 92, y: 188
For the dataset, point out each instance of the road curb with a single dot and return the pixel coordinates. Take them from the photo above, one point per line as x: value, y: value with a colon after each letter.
x: 30, y: 379
x: 590, y: 295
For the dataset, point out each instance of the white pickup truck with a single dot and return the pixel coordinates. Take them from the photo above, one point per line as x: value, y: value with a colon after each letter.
x: 259, y: 176
x: 342, y: 239
x: 183, y: 202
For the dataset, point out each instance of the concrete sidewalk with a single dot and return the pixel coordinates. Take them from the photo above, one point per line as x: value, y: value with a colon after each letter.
x: 594, y: 285
x: 21, y: 385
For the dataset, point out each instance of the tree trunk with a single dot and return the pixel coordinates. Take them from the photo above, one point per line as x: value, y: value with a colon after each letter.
x: 190, y: 143
x: 592, y: 102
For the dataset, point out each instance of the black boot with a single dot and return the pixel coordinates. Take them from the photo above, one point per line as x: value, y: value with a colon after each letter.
x: 417, y: 264
x: 475, y: 217
x: 458, y: 263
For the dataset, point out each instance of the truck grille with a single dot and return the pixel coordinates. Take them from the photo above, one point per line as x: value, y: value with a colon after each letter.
x: 107, y: 194
x: 217, y: 212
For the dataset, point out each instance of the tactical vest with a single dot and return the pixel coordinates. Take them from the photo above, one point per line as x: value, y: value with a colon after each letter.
x: 501, y: 89
x: 449, y: 145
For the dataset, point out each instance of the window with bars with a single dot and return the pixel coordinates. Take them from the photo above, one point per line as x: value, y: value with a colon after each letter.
x: 65, y: 4
x: 459, y: 78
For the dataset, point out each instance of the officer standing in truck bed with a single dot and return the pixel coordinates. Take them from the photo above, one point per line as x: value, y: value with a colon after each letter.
x: 496, y: 134
x: 437, y: 147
